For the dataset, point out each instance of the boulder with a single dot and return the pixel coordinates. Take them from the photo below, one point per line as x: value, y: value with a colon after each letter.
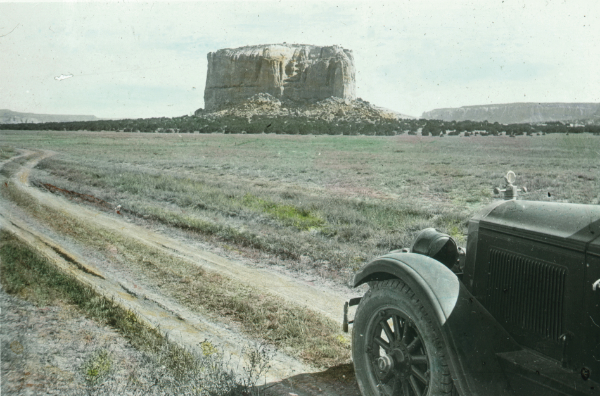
x: 294, y: 72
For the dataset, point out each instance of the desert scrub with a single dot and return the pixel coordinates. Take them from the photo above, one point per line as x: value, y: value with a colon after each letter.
x: 298, y: 330
x: 165, y: 369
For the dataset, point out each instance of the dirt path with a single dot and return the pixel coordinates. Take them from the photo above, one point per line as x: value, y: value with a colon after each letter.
x: 287, y: 374
x: 289, y: 288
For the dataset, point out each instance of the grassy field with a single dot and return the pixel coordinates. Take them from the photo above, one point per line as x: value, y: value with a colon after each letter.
x: 325, y: 204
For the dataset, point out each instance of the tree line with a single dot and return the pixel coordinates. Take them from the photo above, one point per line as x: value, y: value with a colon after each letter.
x: 300, y: 125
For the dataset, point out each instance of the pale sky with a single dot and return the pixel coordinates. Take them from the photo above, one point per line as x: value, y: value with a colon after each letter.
x: 132, y: 59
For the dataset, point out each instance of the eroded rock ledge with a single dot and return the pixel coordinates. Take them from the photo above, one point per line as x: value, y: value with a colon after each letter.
x: 513, y: 113
x: 330, y: 109
x: 286, y: 71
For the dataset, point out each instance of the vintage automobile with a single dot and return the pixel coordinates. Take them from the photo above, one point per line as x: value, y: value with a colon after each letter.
x: 517, y: 313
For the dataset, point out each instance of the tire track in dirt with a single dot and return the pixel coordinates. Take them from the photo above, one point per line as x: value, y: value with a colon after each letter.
x: 178, y: 323
x: 183, y: 326
x: 323, y: 302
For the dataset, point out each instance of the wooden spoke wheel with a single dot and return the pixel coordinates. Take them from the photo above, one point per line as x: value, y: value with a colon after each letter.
x: 396, y: 347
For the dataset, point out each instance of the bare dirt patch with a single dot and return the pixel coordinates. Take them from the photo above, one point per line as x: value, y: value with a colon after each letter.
x: 45, y: 349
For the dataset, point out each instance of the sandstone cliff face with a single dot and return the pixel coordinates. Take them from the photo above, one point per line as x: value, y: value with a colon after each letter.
x: 285, y: 71
x: 513, y: 113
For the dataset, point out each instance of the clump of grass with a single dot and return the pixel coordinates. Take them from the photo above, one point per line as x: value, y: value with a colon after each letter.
x: 97, y: 366
x: 7, y: 152
x: 302, y: 219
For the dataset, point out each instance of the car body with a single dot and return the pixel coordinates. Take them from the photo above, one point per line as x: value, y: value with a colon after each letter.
x: 518, y: 314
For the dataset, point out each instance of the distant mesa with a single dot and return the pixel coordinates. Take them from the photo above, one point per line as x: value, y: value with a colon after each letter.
x: 295, y: 72
x: 514, y: 113
x: 14, y: 117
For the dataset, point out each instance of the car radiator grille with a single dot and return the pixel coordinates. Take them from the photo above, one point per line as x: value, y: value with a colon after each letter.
x: 527, y: 293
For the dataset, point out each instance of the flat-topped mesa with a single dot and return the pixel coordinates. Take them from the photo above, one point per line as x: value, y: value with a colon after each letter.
x: 286, y: 71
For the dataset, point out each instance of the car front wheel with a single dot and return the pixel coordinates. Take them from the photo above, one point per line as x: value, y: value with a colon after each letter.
x: 396, y: 346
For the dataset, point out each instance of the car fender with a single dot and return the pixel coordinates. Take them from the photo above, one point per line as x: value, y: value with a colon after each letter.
x: 471, y: 335
x: 439, y: 284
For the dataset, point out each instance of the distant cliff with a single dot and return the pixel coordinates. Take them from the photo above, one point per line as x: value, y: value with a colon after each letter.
x: 513, y: 113
x: 14, y: 117
x: 285, y: 71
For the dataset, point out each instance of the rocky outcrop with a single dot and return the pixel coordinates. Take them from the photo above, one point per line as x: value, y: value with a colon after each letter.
x: 293, y: 72
x: 330, y: 109
x: 14, y: 117
x: 513, y: 113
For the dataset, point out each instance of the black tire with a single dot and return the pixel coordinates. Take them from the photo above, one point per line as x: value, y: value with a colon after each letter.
x: 414, y: 362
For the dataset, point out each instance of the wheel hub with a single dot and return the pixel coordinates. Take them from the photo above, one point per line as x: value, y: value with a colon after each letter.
x: 397, y: 362
x: 402, y: 360
x: 385, y: 363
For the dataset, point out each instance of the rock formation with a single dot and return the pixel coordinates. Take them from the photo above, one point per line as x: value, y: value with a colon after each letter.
x: 513, y: 113
x: 294, y: 72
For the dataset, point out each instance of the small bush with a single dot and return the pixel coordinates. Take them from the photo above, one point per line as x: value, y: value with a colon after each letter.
x: 97, y: 367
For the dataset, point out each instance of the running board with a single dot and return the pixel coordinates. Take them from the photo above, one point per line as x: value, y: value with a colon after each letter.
x: 528, y: 371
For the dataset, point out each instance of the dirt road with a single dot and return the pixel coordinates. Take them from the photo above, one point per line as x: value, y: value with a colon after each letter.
x: 287, y: 375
